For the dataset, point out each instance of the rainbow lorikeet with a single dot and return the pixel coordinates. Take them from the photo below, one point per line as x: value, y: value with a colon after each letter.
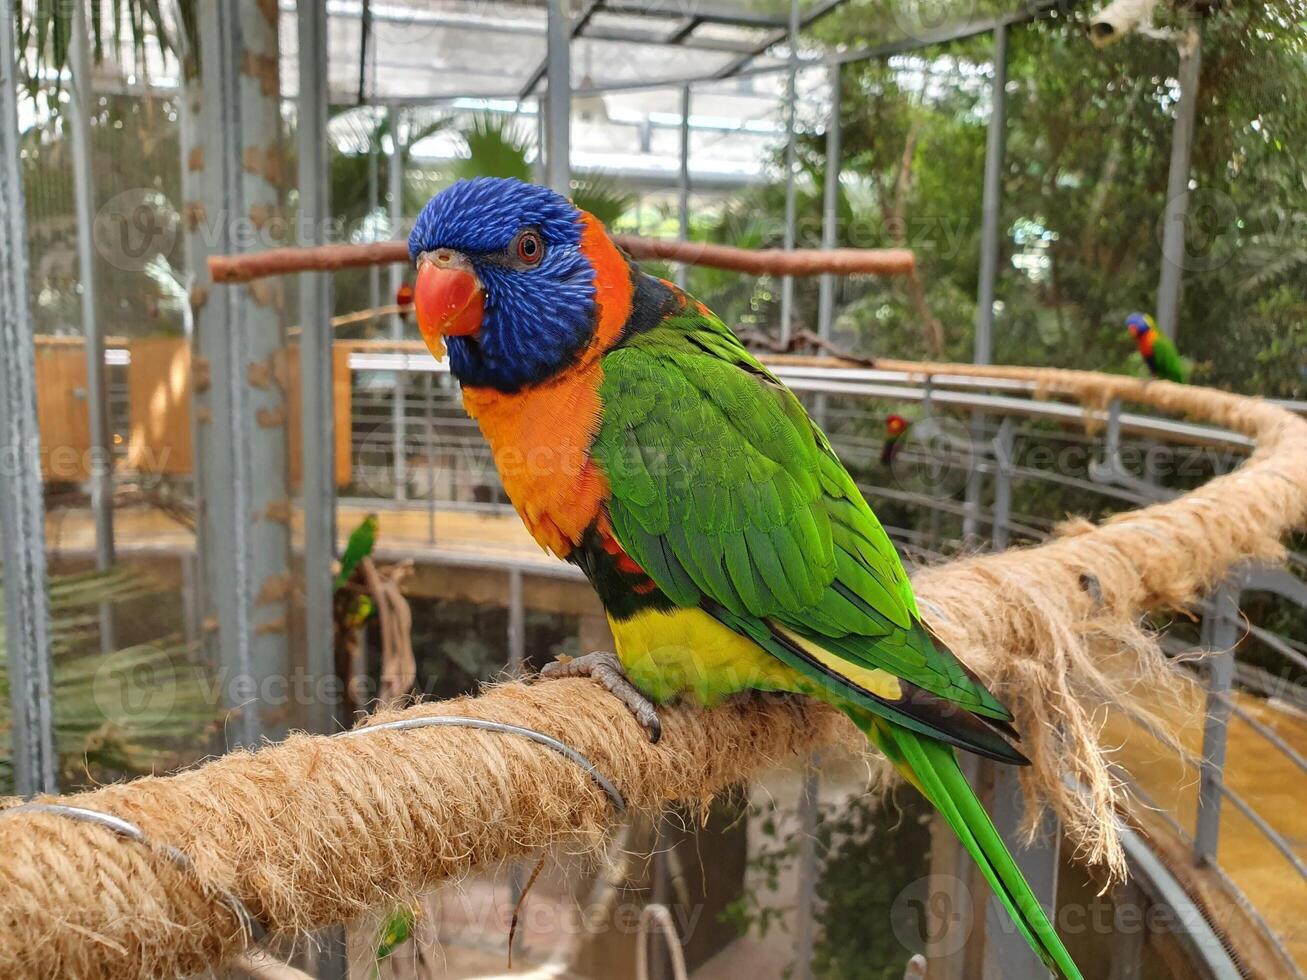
x: 1156, y: 348
x: 404, y: 300
x: 732, y: 551
x: 361, y: 542
x: 895, y: 426
x: 394, y: 933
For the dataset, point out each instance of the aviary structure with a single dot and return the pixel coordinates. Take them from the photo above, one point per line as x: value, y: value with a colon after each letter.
x: 732, y: 551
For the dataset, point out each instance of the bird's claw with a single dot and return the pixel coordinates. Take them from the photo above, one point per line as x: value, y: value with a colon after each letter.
x: 605, y: 668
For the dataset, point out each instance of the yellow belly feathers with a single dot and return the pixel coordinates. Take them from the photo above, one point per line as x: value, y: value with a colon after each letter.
x: 686, y: 651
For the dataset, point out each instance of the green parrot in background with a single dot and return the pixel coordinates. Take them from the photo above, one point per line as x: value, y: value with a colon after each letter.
x: 396, y: 931
x: 361, y: 542
x: 731, y: 549
x: 1157, y: 349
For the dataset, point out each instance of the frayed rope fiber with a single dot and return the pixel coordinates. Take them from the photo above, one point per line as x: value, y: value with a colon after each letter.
x: 317, y: 830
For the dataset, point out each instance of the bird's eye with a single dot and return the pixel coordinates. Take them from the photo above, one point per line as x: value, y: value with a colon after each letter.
x: 528, y: 247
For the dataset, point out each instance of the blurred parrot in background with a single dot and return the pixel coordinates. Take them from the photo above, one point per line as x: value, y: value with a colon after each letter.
x: 732, y: 551
x: 404, y: 298
x: 895, y: 426
x: 1156, y: 348
x: 395, y: 932
x: 361, y: 542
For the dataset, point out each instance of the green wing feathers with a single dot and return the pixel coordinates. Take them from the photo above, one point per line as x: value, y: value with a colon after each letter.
x: 728, y: 496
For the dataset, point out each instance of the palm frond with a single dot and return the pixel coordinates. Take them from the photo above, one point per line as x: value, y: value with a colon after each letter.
x: 120, y: 713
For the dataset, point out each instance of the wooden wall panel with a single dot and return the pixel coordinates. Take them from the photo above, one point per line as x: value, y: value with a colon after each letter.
x: 159, y: 406
x: 61, y: 411
x: 340, y: 382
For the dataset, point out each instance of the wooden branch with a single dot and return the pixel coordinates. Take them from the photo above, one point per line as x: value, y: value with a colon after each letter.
x: 797, y: 262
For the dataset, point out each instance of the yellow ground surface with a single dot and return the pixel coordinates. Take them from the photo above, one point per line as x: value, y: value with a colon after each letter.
x: 1270, y: 783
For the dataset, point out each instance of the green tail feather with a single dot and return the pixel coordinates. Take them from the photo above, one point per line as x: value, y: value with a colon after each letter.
x: 933, y: 769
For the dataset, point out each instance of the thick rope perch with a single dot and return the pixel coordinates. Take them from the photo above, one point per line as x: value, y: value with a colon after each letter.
x: 795, y: 262
x: 316, y: 830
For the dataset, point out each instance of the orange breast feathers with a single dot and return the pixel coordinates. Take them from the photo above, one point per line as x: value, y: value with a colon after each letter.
x: 1145, y: 343
x: 541, y: 436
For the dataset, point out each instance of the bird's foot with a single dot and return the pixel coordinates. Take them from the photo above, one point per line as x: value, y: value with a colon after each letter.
x: 605, y: 668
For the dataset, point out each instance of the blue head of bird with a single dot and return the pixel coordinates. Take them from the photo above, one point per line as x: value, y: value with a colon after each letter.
x: 504, y: 281
x: 1139, y: 324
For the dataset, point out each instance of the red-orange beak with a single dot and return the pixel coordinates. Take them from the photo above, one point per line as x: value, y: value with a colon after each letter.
x: 448, y: 298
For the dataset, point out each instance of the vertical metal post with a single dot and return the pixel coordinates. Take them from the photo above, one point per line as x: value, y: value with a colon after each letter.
x: 791, y: 112
x: 542, y: 139
x: 430, y: 414
x: 558, y: 116
x: 374, y: 204
x: 1126, y: 953
x: 97, y: 406
x: 398, y: 408
x: 1007, y: 954
x: 1220, y: 634
x: 990, y: 234
x: 241, y: 339
x: 516, y: 623
x: 805, y: 927
x: 1177, y: 187
x: 317, y: 401
x: 992, y: 201
x: 1003, y: 446
x: 683, y: 200
x: 22, y: 512
x: 830, y: 206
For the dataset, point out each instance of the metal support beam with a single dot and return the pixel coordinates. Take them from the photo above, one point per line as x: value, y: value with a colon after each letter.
x: 398, y: 414
x: 318, y: 489
x: 1220, y: 634
x: 22, y: 512
x: 1177, y: 187
x: 241, y: 339
x: 990, y: 235
x: 558, y: 115
x: 992, y: 201
x: 81, y: 105
x: 1003, y: 447
x: 791, y: 112
x: 516, y: 623
x: 805, y: 926
x: 683, y: 201
x: 830, y: 215
x: 542, y: 69
x: 1007, y: 954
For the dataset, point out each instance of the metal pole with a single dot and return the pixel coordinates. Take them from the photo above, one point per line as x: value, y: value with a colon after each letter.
x: 558, y: 118
x: 1220, y: 634
x: 317, y: 401
x: 516, y: 623
x: 805, y: 928
x: 1177, y: 187
x: 1002, y: 484
x: 398, y: 414
x: 683, y: 203
x: 242, y: 341
x: 992, y: 201
x: 791, y: 110
x: 97, y: 403
x: 830, y: 206
x: 990, y: 233
x: 374, y: 204
x: 22, y: 513
x: 1007, y: 954
x: 431, y: 457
